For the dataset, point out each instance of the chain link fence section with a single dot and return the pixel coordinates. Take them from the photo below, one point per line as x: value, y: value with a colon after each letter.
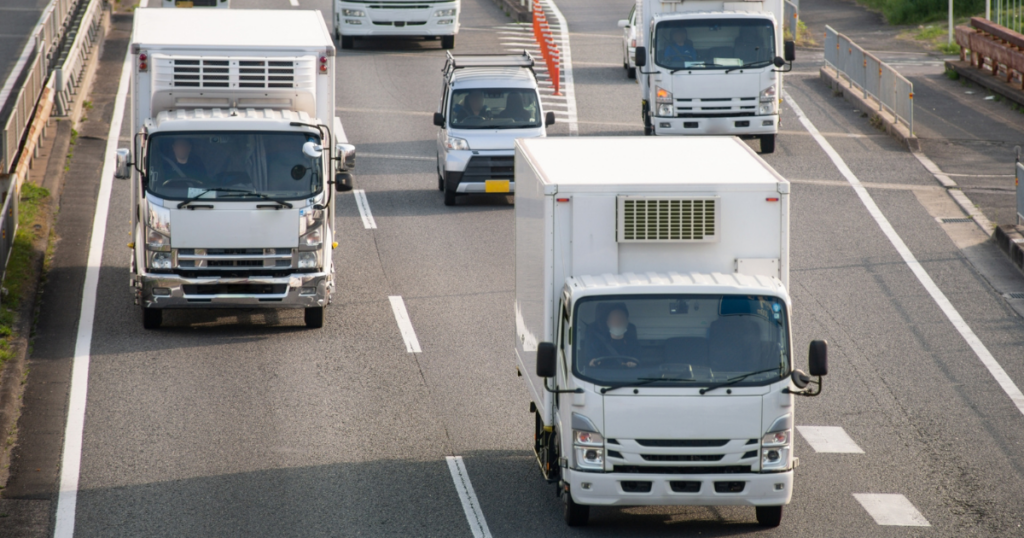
x: 873, y: 77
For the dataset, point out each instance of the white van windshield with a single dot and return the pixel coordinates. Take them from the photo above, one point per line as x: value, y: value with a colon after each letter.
x: 714, y: 43
x: 681, y: 339
x: 494, y: 108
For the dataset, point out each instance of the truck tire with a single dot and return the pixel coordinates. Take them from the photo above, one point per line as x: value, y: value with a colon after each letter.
x: 152, y: 318
x: 576, y: 515
x: 449, y: 193
x: 347, y: 41
x: 314, y: 317
x: 648, y: 125
x: 767, y: 144
x: 631, y: 72
x: 769, y: 516
x: 440, y: 181
x: 448, y: 42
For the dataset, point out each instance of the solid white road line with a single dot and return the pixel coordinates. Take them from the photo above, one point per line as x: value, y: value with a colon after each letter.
x: 294, y: 3
x: 364, y: 209
x: 398, y: 157
x: 958, y: 195
x: 570, y: 88
x: 829, y: 439
x: 470, y: 504
x: 71, y: 461
x: 891, y: 509
x: 412, y: 344
x: 940, y: 299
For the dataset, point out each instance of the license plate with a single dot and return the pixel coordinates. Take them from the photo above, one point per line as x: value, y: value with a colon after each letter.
x: 183, y: 3
x: 496, y: 185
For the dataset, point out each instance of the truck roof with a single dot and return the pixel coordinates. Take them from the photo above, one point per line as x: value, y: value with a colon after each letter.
x: 231, y: 29
x: 647, y: 283
x: 614, y: 161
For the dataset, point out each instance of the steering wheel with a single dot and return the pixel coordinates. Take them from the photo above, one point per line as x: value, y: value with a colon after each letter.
x: 614, y: 362
x: 188, y: 182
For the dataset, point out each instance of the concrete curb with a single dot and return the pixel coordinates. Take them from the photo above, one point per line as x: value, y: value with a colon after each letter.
x: 1010, y: 239
x: 516, y: 9
x: 996, y: 85
x: 870, y: 106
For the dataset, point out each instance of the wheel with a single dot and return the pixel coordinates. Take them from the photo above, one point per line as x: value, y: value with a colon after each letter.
x: 631, y: 72
x: 337, y: 35
x: 152, y: 318
x: 314, y: 317
x: 448, y: 42
x: 347, y: 41
x: 769, y: 516
x: 576, y: 515
x: 648, y: 125
x: 767, y: 143
x: 449, y: 193
x: 440, y: 181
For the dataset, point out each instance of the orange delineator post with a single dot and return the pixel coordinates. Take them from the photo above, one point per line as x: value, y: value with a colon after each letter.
x: 548, y: 49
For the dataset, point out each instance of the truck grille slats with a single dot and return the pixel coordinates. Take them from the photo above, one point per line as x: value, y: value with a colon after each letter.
x: 655, y: 219
x: 711, y: 469
x: 711, y: 107
x: 681, y: 443
x: 235, y: 289
x: 215, y: 259
x: 481, y: 168
x: 681, y: 457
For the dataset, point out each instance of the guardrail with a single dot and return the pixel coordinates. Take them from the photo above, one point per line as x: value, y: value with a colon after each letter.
x: 71, y: 65
x: 993, y: 48
x: 1020, y: 193
x: 872, y: 76
x: 791, y: 14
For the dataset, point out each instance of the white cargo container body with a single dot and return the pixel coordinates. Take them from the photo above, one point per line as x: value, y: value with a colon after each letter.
x: 688, y: 238
x: 236, y: 148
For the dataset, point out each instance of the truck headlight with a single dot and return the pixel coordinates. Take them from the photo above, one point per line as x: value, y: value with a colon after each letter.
x: 775, y: 451
x: 312, y: 238
x: 589, y: 449
x: 768, y: 94
x: 353, y: 13
x: 662, y: 95
x: 444, y: 13
x: 156, y: 241
x: 776, y: 439
x: 160, y: 261
x: 309, y: 260
x: 666, y: 111
x: 456, y: 144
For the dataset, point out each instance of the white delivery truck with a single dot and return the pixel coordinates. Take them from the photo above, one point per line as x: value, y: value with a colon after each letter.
x: 652, y: 322
x: 236, y: 158
x: 429, y: 19
x: 709, y: 67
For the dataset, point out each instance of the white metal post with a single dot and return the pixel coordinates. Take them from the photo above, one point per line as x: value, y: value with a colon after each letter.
x: 988, y: 9
x: 950, y: 22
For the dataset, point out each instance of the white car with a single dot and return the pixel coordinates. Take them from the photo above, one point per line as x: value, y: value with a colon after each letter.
x: 628, y: 26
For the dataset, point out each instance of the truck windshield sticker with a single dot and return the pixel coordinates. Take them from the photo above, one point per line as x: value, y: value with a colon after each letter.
x: 494, y: 108
x: 714, y: 43
x: 625, y: 339
x: 232, y: 165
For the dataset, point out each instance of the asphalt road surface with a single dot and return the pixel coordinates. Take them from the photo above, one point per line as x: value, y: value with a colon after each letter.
x: 244, y: 423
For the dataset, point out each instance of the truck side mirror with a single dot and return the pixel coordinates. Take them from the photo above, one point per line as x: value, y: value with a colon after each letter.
x: 818, y: 358
x: 623, y: 23
x: 438, y: 119
x: 347, y: 155
x: 641, y: 56
x: 123, y: 166
x: 789, y: 49
x: 343, y: 182
x: 549, y: 119
x: 546, y: 360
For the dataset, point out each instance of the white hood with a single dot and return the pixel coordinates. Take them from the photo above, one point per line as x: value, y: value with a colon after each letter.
x: 629, y: 416
x: 228, y: 227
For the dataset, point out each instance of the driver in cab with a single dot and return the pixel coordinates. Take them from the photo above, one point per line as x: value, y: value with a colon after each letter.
x: 472, y: 107
x: 680, y: 50
x: 181, y: 163
x: 612, y: 338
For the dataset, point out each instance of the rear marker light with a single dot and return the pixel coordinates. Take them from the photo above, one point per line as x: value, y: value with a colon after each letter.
x: 562, y: 200
x: 771, y: 199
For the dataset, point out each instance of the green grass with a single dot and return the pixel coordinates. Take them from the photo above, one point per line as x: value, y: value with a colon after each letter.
x: 951, y: 74
x: 918, y: 11
x: 803, y: 35
x: 19, y: 265
x: 71, y: 149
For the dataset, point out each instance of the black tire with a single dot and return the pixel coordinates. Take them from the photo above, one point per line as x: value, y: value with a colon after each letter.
x: 152, y: 318
x: 576, y: 515
x: 337, y: 35
x: 767, y: 144
x: 314, y: 317
x: 631, y: 72
x: 447, y: 42
x: 440, y: 181
x: 648, y: 125
x: 347, y: 41
x: 449, y: 193
x: 769, y: 516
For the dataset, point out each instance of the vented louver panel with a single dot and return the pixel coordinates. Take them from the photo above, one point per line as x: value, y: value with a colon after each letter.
x: 642, y: 219
x: 202, y: 73
x: 257, y: 73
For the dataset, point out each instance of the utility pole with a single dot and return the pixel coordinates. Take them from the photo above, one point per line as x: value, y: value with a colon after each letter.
x: 951, y: 22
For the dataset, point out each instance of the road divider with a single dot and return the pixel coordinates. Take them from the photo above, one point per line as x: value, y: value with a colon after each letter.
x: 947, y: 308
x: 412, y: 344
x: 470, y: 504
x: 364, y: 209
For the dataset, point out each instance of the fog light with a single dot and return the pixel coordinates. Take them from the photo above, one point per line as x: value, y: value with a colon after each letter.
x: 767, y: 123
x: 586, y: 485
x: 665, y: 125
x: 307, y: 291
x: 780, y: 487
x: 353, y: 22
x: 161, y: 292
x: 444, y: 21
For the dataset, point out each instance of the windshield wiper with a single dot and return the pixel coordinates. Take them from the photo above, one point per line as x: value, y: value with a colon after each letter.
x: 751, y: 64
x: 199, y: 196
x: 240, y: 192
x: 641, y: 381
x: 734, y: 380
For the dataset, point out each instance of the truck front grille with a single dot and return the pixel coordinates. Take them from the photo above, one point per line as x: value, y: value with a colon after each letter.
x: 711, y: 469
x: 235, y: 289
x: 232, y: 259
x: 681, y: 457
x: 481, y: 168
x: 716, y: 106
x: 682, y: 443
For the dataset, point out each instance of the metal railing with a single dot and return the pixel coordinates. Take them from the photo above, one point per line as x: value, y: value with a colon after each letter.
x: 1020, y: 193
x: 8, y: 223
x: 71, y: 65
x: 791, y: 15
x: 872, y: 76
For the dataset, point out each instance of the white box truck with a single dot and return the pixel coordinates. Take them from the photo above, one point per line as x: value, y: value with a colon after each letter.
x: 429, y: 19
x: 236, y: 158
x: 708, y: 67
x: 652, y: 322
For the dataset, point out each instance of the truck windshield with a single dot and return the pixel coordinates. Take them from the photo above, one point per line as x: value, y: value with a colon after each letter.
x: 494, y: 108
x: 680, y: 339
x: 714, y: 43
x: 232, y: 165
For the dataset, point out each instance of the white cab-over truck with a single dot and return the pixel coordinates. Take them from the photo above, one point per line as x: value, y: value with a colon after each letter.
x: 429, y: 19
x: 236, y: 156
x: 652, y: 322
x: 708, y: 67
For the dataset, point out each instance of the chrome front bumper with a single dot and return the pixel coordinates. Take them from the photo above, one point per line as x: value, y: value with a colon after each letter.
x: 735, y: 126
x: 300, y: 290
x: 760, y: 489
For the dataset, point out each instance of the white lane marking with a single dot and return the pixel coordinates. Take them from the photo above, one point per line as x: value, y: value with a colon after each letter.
x: 294, y: 3
x: 71, y: 460
x: 384, y: 111
x: 891, y: 509
x: 940, y: 299
x: 570, y: 88
x: 470, y: 504
x: 364, y: 209
x: 829, y: 439
x: 958, y: 195
x: 412, y: 344
x: 399, y: 157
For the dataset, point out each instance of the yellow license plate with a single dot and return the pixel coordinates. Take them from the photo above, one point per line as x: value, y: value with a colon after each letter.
x: 496, y: 185
x: 183, y: 3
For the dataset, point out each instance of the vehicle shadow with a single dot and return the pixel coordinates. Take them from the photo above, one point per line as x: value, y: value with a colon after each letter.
x: 430, y: 201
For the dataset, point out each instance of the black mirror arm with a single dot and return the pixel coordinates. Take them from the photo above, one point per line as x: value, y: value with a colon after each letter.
x: 806, y: 392
x: 556, y: 391
x: 786, y: 69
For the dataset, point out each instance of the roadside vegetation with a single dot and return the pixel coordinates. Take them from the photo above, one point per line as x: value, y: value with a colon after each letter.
x: 935, y: 36
x: 19, y: 266
x: 803, y: 37
x: 923, y: 11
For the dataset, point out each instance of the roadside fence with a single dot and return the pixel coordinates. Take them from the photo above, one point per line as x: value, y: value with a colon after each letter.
x: 70, y: 69
x: 993, y: 48
x: 870, y: 75
x: 1020, y: 190
x: 791, y: 13
x: 548, y: 47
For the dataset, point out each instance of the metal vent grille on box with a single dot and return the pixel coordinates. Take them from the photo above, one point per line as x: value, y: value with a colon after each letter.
x: 643, y: 219
x: 234, y: 72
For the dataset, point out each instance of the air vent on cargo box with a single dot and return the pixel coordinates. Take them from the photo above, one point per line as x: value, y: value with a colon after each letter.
x: 225, y: 72
x: 663, y: 219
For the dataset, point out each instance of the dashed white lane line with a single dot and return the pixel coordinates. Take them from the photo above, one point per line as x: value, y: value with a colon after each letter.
x: 294, y: 3
x: 891, y: 509
x: 470, y: 504
x: 829, y: 439
x: 399, y: 157
x: 412, y: 344
x: 982, y: 352
x: 364, y: 209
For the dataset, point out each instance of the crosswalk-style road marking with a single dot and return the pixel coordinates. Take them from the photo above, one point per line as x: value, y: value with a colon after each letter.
x: 829, y: 439
x: 891, y: 509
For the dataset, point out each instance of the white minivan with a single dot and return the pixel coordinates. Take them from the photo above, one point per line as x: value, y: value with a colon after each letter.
x: 488, y: 101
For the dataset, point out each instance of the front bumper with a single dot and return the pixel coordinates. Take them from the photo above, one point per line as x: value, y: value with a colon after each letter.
x: 606, y: 489
x: 481, y: 177
x: 734, y: 126
x: 300, y: 290
x: 381, y: 25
